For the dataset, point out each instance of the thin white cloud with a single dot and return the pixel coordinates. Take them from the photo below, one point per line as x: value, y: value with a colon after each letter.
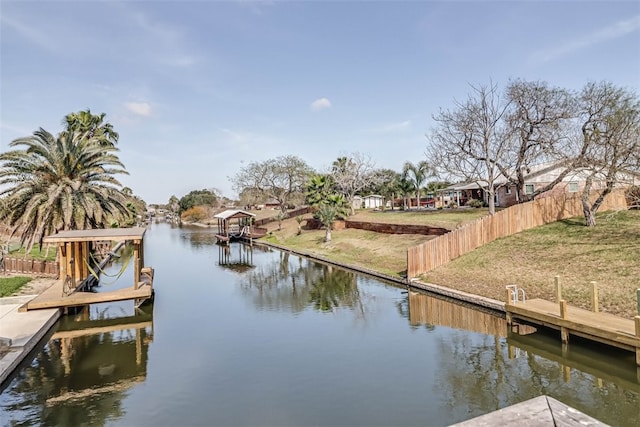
x: 320, y: 104
x: 617, y: 30
x: 393, y: 127
x: 139, y: 108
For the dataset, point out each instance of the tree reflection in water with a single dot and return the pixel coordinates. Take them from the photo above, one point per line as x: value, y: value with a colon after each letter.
x: 293, y: 283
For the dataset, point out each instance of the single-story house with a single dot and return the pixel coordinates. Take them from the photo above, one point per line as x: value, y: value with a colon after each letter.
x: 373, y: 201
x: 535, y: 178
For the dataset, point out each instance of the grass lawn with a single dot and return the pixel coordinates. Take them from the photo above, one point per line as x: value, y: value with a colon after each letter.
x: 608, y: 254
x: 386, y: 253
x: 9, y: 285
x: 445, y: 218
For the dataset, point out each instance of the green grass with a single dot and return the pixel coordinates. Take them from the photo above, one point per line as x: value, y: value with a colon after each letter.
x: 385, y: 253
x: 444, y: 218
x: 36, y: 253
x: 9, y: 285
x: 608, y: 254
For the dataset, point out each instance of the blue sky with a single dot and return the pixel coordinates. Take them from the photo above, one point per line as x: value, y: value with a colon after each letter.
x: 199, y: 89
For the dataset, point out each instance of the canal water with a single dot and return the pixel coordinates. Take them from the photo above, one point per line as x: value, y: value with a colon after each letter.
x: 246, y: 336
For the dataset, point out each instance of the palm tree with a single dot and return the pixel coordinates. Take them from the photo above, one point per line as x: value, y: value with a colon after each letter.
x: 405, y: 187
x: 92, y: 125
x: 60, y: 183
x: 333, y: 208
x: 417, y: 174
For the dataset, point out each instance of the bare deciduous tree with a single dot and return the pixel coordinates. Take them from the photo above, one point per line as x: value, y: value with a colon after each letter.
x: 471, y: 142
x: 353, y: 173
x: 282, y: 179
x: 610, y: 118
x: 538, y: 120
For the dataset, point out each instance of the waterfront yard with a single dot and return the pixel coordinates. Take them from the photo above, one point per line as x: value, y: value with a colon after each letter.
x: 444, y: 218
x: 606, y: 254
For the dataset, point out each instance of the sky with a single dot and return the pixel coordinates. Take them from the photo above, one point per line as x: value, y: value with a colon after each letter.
x: 198, y: 90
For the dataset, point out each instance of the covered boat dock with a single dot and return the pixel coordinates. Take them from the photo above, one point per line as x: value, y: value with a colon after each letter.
x: 237, y: 225
x: 76, y: 267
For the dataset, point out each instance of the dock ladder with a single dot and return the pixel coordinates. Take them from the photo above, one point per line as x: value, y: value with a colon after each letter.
x: 517, y: 294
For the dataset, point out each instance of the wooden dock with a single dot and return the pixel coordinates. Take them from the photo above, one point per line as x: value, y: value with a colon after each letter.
x: 601, y: 327
x: 54, y: 297
x: 539, y: 411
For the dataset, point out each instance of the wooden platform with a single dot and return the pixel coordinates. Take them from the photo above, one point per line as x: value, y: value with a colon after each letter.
x: 53, y: 297
x: 601, y: 327
x: 539, y: 411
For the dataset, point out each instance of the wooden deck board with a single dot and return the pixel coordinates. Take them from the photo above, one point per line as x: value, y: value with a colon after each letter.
x: 603, y: 327
x: 539, y: 411
x: 53, y: 297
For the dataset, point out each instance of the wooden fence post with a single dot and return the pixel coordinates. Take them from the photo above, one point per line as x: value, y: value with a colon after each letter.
x: 558, y: 288
x: 595, y: 303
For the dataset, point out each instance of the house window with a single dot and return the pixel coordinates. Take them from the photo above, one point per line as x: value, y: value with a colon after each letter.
x: 573, y: 187
x: 528, y: 189
x: 507, y: 189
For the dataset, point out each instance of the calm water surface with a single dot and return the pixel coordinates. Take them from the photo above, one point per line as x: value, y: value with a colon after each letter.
x: 243, y: 337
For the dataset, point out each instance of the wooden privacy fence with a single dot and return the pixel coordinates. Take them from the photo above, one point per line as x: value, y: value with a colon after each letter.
x: 290, y: 214
x: 439, y: 251
x: 29, y: 266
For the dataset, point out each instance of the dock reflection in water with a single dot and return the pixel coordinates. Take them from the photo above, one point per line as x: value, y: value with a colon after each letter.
x: 88, y: 365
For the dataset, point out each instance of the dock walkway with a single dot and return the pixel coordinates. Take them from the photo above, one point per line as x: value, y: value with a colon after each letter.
x: 601, y: 327
x: 54, y: 297
x: 20, y: 332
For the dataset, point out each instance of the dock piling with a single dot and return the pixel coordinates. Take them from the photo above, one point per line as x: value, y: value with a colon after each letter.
x: 638, y: 299
x: 637, y: 321
x: 595, y: 305
x: 564, y: 332
x: 558, y: 288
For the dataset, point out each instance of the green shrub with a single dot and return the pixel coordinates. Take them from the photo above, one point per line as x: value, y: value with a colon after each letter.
x: 475, y: 203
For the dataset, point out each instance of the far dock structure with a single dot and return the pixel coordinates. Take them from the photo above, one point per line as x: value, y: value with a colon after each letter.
x: 592, y: 325
x: 237, y: 225
x: 76, y: 266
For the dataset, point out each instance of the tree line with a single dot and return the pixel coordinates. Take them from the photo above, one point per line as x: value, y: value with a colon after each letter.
x: 492, y: 138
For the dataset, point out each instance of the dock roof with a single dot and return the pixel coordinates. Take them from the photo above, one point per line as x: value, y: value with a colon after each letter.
x: 230, y: 214
x: 98, y: 234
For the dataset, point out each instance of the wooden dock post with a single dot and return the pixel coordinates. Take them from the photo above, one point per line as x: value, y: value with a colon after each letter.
x: 595, y: 303
x: 556, y: 279
x: 637, y: 320
x: 564, y: 332
x: 638, y: 300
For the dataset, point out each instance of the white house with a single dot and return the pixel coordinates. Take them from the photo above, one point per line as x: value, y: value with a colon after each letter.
x: 373, y: 201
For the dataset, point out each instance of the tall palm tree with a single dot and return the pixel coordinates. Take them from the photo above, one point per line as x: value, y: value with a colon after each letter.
x: 93, y: 125
x: 60, y: 183
x: 417, y: 174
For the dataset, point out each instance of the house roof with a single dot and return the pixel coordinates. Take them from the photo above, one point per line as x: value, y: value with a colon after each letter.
x: 233, y: 213
x: 373, y: 196
x: 465, y: 186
